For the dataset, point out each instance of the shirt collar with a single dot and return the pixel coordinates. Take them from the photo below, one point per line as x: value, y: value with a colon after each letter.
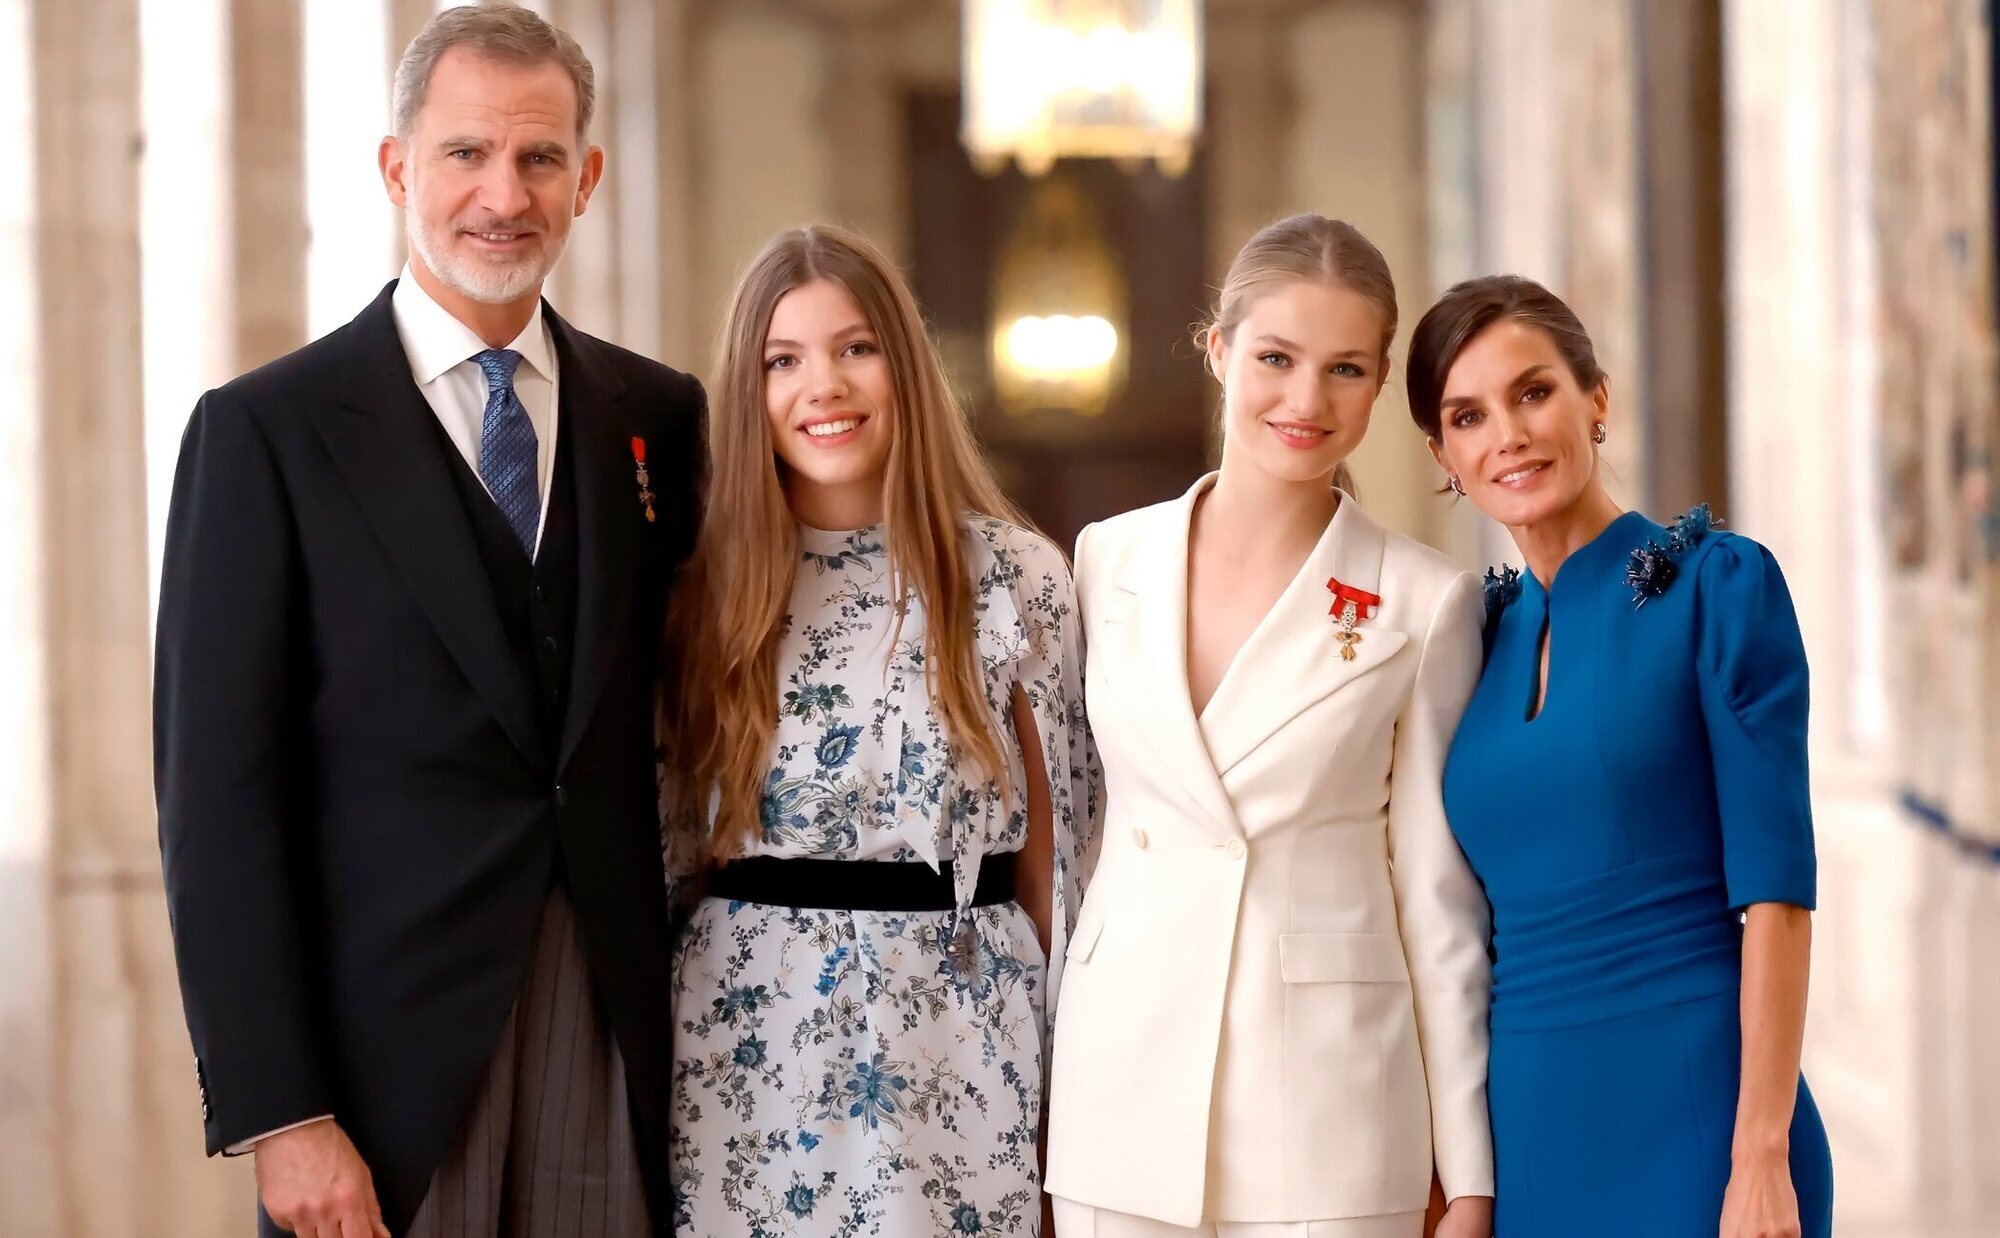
x: 436, y: 342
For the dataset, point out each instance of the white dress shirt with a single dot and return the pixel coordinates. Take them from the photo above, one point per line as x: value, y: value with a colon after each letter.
x: 441, y: 351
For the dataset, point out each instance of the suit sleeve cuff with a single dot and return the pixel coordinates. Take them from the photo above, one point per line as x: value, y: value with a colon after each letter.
x: 250, y: 1145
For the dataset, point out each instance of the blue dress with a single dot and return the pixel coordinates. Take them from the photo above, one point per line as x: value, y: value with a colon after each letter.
x: 1619, y: 833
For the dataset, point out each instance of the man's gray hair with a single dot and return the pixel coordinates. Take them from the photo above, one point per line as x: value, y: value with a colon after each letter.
x: 507, y: 33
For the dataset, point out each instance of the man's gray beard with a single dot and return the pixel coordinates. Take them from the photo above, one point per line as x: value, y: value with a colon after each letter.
x: 488, y: 283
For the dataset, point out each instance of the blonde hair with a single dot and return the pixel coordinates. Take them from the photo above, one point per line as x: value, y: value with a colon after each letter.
x: 719, y: 712
x: 507, y: 33
x: 1304, y: 247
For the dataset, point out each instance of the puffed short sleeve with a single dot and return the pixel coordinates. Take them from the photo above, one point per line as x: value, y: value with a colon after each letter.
x: 1752, y: 670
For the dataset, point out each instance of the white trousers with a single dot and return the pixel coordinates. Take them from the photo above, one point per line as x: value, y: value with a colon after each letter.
x: 1074, y: 1220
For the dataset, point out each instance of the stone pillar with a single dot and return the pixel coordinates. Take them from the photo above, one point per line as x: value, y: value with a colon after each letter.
x: 861, y: 116
x: 763, y: 165
x: 1249, y: 106
x: 1457, y: 232
x: 27, y: 1001
x: 584, y: 285
x: 406, y: 19
x: 879, y: 50
x: 1932, y: 181
x: 1372, y: 175
x: 224, y: 253
x: 112, y: 1092
x: 267, y: 218
x: 1813, y: 406
x: 1680, y: 187
x: 1553, y: 182
x: 99, y: 1118
x: 677, y: 180
x: 631, y: 134
x: 356, y: 236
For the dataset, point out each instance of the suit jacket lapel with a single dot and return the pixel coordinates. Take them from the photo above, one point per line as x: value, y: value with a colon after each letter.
x: 1292, y: 662
x: 609, y: 520
x: 1153, y: 679
x: 383, y: 443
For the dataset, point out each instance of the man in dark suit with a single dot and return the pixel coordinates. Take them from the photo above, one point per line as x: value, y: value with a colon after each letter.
x: 408, y: 636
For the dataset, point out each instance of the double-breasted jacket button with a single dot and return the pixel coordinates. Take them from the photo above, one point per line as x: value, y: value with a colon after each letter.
x: 1139, y: 839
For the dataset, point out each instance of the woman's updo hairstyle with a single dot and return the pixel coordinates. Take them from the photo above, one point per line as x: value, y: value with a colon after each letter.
x: 1468, y: 309
x: 1304, y: 247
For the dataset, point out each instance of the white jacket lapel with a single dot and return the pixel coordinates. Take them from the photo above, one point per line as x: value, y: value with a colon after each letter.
x: 1292, y: 661
x: 1149, y: 670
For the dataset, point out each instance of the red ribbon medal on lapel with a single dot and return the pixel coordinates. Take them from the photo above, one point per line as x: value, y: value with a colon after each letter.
x: 1349, y: 606
x: 645, y: 480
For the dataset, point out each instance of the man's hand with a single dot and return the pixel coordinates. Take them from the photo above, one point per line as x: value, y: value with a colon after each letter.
x: 313, y: 1183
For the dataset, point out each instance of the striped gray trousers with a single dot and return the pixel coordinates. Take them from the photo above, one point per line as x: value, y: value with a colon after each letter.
x: 547, y: 1150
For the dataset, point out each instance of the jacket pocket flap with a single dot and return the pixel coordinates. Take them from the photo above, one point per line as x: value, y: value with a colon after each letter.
x: 1088, y: 929
x: 1312, y: 958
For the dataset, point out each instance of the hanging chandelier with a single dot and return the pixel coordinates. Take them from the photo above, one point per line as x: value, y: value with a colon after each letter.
x: 1105, y: 79
x: 1059, y: 302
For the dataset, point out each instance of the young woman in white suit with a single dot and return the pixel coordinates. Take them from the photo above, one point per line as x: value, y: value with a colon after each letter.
x: 1274, y: 1011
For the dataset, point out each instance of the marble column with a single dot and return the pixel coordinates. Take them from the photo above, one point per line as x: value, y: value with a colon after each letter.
x: 1246, y: 107
x: 99, y: 1118
x: 677, y: 180
x: 27, y: 1004
x: 1932, y: 221
x: 1815, y: 402
x: 267, y: 163
x: 880, y: 50
x: 861, y: 116
x: 1680, y: 299
x: 584, y: 285
x: 758, y: 77
x: 112, y: 1091
x: 1545, y: 182
x: 1372, y: 175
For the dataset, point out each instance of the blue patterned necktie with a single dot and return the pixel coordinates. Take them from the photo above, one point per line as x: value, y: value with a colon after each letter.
x: 507, y: 448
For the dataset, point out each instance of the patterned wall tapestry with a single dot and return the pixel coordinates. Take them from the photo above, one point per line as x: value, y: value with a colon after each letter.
x: 1938, y: 404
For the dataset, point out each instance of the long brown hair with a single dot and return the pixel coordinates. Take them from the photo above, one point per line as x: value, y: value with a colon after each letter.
x: 719, y: 710
x: 1312, y: 248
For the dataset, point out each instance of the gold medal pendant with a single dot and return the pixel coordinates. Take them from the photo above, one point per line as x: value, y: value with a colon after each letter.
x: 1346, y: 634
x: 644, y: 478
x: 1346, y: 612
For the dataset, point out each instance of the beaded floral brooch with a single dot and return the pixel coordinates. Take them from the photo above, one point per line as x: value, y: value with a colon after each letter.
x: 1502, y: 587
x: 1652, y: 566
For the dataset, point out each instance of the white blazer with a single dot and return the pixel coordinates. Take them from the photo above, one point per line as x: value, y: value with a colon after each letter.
x: 1274, y: 1007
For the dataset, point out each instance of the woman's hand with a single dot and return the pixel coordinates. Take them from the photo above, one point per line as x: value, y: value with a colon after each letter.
x: 1468, y: 1216
x: 1760, y: 1202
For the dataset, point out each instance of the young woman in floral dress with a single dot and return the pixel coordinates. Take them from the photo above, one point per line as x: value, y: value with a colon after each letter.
x: 877, y: 776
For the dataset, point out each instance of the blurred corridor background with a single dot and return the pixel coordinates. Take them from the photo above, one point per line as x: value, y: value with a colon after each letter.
x: 1775, y: 216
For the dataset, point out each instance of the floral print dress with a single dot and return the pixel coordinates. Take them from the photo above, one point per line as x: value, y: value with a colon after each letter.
x: 877, y: 1073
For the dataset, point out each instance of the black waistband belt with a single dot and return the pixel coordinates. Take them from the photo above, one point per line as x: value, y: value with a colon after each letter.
x: 857, y: 885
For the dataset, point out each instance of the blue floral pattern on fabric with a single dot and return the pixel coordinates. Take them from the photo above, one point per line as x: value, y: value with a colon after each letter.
x: 852, y: 1073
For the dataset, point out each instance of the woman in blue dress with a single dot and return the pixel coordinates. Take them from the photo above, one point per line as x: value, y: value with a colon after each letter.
x: 1629, y: 783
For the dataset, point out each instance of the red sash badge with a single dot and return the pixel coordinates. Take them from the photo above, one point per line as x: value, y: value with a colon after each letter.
x: 1350, y: 605
x: 645, y: 479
